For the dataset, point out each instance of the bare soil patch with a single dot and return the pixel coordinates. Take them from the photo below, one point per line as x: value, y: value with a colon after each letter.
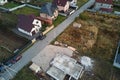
x: 8, y: 43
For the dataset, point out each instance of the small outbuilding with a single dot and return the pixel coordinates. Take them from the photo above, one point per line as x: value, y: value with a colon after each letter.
x: 35, y: 68
x: 73, y: 2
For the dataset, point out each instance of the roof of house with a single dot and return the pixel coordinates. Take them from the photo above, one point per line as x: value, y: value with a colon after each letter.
x: 106, y: 9
x: 105, y: 1
x: 48, y: 8
x: 25, y: 22
x: 60, y: 2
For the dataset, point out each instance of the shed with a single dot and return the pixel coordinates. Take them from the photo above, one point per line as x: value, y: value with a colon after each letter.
x: 35, y: 68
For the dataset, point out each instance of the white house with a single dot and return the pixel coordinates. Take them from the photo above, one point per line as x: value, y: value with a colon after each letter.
x: 104, y: 5
x: 2, y: 2
x: 28, y: 25
x: 72, y: 2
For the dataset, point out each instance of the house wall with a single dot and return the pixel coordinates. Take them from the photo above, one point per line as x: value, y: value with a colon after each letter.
x: 37, y: 26
x: 102, y: 5
x: 25, y: 32
x: 45, y: 16
x: 35, y: 29
x: 55, y: 14
x: 66, y: 6
x: 63, y: 8
x: 73, y: 3
x: 2, y: 2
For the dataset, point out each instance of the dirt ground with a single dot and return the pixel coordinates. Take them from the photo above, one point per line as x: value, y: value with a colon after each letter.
x: 97, y: 38
x: 8, y: 43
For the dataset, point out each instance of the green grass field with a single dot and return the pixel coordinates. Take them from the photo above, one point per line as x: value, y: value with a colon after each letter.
x: 25, y: 74
x: 10, y: 5
x: 27, y: 11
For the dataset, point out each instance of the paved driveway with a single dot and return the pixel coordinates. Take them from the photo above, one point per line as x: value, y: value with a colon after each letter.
x: 38, y: 46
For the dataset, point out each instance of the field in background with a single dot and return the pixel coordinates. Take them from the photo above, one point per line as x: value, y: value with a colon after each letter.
x: 97, y: 38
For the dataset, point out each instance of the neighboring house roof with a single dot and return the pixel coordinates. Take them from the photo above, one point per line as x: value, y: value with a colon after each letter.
x: 25, y: 22
x: 60, y: 2
x: 105, y: 1
x: 106, y: 9
x: 48, y: 8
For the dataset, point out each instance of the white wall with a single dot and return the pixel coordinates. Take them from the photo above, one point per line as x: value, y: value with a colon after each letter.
x: 2, y: 2
x: 25, y: 32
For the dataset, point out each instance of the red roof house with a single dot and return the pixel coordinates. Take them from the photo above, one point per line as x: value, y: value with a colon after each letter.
x: 62, y: 5
x: 104, y: 5
x: 28, y: 24
x: 105, y: 1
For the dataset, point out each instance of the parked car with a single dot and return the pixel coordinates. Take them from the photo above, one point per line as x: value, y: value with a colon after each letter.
x: 41, y: 36
x: 16, y: 58
x: 8, y: 63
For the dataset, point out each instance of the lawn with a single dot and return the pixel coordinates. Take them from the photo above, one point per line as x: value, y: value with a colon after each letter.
x: 116, y: 8
x: 81, y: 2
x: 25, y: 74
x: 27, y: 11
x: 8, y: 19
x: 59, y: 20
x: 10, y: 5
x: 97, y: 38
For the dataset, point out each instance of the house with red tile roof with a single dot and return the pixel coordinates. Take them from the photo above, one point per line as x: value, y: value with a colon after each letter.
x: 62, y: 5
x: 104, y: 5
x: 28, y: 24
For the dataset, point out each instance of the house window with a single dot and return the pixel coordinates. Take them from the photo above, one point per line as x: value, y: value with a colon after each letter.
x: 33, y: 32
x: 37, y: 22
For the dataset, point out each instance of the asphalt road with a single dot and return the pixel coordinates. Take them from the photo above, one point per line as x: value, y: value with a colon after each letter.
x: 39, y: 45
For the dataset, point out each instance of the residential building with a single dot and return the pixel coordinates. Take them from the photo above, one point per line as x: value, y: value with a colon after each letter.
x: 104, y: 5
x: 49, y: 11
x: 28, y: 24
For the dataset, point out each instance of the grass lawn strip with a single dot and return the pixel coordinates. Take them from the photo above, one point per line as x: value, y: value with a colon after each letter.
x: 27, y: 11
